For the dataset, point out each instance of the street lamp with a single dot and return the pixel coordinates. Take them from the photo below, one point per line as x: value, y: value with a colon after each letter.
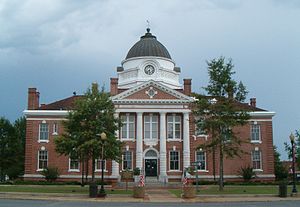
x: 292, y: 138
x: 102, y: 191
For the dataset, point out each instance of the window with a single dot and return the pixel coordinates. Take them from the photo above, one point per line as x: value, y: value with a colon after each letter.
x: 199, y: 127
x: 44, y: 132
x: 127, y: 160
x: 42, y: 159
x: 255, y: 132
x: 174, y: 126
x: 150, y: 126
x: 174, y: 160
x: 128, y: 127
x: 98, y: 166
x: 73, y: 164
x: 201, y: 159
x: 256, y: 160
x: 55, y: 129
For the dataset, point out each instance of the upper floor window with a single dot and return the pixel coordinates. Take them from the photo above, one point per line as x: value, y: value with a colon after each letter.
x: 44, y: 132
x: 55, y: 129
x: 174, y: 126
x: 255, y: 132
x: 201, y: 159
x: 73, y: 164
x: 98, y: 165
x: 174, y: 160
x: 128, y: 127
x: 127, y: 160
x: 42, y: 159
x: 150, y: 126
x: 199, y: 127
x: 256, y: 160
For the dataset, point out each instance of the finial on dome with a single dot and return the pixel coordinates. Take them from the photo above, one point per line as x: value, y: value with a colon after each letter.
x: 148, y: 26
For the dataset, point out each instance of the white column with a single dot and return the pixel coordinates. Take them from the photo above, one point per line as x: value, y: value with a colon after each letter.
x: 115, y: 172
x: 163, y: 149
x: 139, y: 140
x: 186, y: 140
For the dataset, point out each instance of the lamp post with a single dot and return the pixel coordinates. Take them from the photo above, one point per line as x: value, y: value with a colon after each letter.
x: 292, y: 138
x: 102, y: 191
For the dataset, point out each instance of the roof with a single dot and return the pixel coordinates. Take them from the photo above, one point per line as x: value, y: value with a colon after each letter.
x: 64, y: 104
x: 148, y: 45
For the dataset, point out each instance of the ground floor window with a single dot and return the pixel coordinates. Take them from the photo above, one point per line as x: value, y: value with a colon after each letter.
x: 73, y: 164
x: 174, y: 160
x: 42, y: 159
x: 98, y: 165
x: 127, y: 160
x: 201, y: 159
x: 256, y: 160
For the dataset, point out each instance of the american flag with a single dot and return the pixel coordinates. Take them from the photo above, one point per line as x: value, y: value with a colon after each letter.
x: 184, y: 181
x: 142, y: 181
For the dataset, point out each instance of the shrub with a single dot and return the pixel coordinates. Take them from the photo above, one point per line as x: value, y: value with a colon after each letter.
x: 50, y: 173
x: 136, y: 171
x: 247, y: 173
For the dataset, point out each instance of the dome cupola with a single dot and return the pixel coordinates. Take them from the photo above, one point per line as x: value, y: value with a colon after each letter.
x: 148, y: 45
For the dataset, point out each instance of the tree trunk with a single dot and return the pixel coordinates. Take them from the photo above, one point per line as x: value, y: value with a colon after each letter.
x: 93, y: 169
x: 86, y: 170
x: 214, y: 162
x: 221, y: 179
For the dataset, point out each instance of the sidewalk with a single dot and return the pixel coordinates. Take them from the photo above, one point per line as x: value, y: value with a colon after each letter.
x: 155, y: 195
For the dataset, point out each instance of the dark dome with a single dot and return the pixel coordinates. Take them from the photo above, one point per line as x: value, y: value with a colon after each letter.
x: 148, y: 46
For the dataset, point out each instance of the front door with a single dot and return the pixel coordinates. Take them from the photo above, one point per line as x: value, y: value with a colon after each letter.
x: 151, y: 167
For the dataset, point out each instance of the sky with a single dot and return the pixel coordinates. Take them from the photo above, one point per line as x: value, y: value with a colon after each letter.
x: 61, y: 46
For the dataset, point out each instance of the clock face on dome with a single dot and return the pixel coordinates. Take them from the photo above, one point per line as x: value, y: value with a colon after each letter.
x: 149, y: 69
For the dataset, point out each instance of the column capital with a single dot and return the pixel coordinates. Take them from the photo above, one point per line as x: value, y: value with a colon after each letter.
x: 139, y: 113
x: 162, y: 113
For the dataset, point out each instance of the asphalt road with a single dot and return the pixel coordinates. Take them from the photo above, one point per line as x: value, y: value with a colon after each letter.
x: 34, y: 203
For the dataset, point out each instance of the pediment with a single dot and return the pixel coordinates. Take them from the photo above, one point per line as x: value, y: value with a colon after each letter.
x: 152, y: 91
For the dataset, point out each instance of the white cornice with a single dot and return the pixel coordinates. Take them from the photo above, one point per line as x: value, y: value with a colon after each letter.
x: 45, y: 112
x: 262, y: 113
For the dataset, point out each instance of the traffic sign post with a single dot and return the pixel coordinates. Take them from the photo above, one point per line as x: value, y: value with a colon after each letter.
x: 196, y: 164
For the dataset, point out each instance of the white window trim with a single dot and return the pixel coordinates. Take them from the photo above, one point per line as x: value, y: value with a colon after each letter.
x: 43, y: 140
x: 178, y: 161
x: 261, y: 164
x: 131, y: 160
x: 73, y: 170
x: 127, y: 115
x: 38, y: 161
x: 205, y: 170
x: 55, y: 129
x: 100, y: 170
x: 151, y: 123
x: 174, y: 128
x: 259, y: 133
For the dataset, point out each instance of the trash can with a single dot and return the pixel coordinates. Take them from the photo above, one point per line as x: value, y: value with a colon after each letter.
x: 283, y: 189
x: 93, y: 189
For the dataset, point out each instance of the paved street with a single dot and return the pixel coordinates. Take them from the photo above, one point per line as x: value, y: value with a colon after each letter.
x: 35, y: 203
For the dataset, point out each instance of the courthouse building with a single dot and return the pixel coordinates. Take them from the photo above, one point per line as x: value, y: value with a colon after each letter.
x: 159, y: 132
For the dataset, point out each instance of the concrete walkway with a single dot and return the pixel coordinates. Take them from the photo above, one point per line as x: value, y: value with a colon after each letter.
x: 152, y: 195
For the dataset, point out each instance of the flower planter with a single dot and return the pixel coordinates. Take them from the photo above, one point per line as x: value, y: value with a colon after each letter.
x: 138, y: 191
x: 189, y: 191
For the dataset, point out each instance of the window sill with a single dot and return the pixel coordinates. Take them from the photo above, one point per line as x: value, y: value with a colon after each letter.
x: 100, y: 170
x: 258, y: 170
x: 200, y: 136
x: 54, y: 133
x: 39, y: 170
x: 174, y: 140
x: 43, y: 141
x: 174, y: 171
x: 128, y: 140
x: 256, y: 141
x: 73, y: 170
x: 206, y: 171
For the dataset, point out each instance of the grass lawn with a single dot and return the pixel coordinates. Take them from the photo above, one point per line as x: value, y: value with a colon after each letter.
x: 235, y: 189
x: 54, y: 189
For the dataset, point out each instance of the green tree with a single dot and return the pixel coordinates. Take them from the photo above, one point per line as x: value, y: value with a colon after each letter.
x: 218, y: 112
x: 281, y: 171
x: 288, y: 149
x: 92, y: 115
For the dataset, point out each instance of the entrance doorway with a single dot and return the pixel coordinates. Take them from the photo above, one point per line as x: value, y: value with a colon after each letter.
x: 151, y: 167
x: 151, y: 162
